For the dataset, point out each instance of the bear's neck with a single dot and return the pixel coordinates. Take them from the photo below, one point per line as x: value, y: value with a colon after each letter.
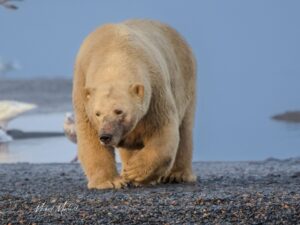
x: 156, y: 117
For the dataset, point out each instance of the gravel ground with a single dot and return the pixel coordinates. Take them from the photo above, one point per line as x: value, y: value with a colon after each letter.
x: 264, y: 192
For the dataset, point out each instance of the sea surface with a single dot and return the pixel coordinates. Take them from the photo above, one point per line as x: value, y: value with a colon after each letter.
x: 253, y: 138
x: 247, y: 53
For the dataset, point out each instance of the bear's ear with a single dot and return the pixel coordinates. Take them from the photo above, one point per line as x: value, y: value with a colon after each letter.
x: 137, y: 90
x: 88, y: 92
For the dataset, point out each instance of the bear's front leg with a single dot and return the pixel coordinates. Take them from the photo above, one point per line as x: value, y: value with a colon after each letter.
x: 97, y: 161
x: 156, y: 158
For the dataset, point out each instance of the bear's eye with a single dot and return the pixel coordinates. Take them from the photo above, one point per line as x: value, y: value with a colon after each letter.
x: 118, y: 111
x: 98, y: 114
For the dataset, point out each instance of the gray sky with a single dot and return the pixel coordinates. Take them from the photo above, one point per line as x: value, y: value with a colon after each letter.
x: 248, y: 55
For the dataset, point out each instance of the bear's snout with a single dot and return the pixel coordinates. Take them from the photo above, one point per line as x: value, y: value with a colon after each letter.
x: 111, y: 133
x: 106, y: 138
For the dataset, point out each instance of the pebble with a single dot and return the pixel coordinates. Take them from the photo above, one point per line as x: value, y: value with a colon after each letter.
x: 266, y: 192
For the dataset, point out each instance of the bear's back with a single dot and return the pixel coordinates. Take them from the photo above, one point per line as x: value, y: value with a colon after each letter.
x: 172, y: 54
x: 161, y: 46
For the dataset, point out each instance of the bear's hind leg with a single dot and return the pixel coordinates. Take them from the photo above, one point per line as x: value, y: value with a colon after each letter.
x: 182, y: 168
x: 125, y: 155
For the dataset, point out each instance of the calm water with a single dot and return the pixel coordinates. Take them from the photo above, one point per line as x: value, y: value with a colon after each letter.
x: 58, y: 149
x: 272, y: 139
x: 248, y: 70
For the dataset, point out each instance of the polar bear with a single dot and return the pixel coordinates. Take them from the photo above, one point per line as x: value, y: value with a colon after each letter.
x: 134, y: 90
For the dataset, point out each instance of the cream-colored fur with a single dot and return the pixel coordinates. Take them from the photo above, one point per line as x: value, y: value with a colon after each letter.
x: 135, y: 80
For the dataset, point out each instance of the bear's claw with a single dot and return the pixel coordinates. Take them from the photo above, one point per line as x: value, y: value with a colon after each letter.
x: 178, y: 177
x: 116, y: 183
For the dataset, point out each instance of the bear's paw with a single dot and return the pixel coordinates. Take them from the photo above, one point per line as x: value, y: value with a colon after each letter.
x: 179, y: 177
x: 116, y: 183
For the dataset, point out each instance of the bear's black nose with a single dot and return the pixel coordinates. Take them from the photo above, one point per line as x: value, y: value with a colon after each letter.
x: 105, y: 138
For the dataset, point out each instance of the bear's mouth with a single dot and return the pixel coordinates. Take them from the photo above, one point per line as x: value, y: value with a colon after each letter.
x: 109, y: 140
x: 105, y: 139
x: 111, y: 133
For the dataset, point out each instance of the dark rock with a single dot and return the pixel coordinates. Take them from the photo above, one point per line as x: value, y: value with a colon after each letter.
x: 296, y: 175
x: 290, y: 116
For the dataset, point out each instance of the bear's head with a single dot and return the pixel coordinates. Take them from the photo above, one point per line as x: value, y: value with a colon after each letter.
x: 115, y: 109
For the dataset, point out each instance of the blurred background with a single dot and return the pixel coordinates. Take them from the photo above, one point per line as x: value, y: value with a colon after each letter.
x: 248, y: 55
